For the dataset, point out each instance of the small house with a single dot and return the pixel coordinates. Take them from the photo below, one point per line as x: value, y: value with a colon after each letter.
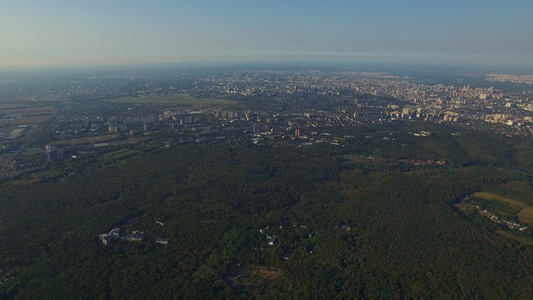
x: 161, y: 241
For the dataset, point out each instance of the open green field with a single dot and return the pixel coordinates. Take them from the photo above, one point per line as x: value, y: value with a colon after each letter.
x: 151, y: 147
x: 497, y: 206
x: 121, y: 154
x: 520, y: 209
x: 126, y: 154
x: 178, y: 99
x: 116, y: 152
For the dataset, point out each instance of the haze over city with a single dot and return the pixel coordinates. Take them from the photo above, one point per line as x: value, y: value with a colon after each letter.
x: 266, y: 149
x: 66, y: 33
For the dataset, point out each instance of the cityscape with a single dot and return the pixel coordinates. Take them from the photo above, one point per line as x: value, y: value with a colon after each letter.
x: 266, y: 150
x: 72, y: 118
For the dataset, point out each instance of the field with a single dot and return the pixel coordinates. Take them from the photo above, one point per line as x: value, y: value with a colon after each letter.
x: 18, y: 109
x: 27, y: 114
x: 32, y: 119
x: 88, y: 140
x: 509, y: 206
x: 122, y: 154
x: 126, y: 154
x: 178, y: 99
x: 17, y: 100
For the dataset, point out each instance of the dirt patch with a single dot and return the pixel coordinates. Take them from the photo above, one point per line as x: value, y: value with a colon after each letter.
x: 263, y: 272
x: 251, y: 280
x: 25, y: 182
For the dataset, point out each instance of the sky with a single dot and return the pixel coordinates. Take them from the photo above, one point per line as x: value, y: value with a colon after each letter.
x: 113, y: 32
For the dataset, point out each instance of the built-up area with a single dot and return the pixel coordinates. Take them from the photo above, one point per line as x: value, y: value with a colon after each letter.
x: 119, y: 115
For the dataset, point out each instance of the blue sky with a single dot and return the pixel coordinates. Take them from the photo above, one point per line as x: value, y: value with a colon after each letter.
x: 58, y: 32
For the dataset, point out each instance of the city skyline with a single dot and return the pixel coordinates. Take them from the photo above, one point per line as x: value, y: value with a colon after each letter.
x: 61, y: 33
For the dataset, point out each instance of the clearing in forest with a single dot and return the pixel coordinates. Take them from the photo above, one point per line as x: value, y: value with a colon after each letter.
x: 523, y: 210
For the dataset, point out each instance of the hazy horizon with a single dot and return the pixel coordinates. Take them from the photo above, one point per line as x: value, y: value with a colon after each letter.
x: 66, y: 34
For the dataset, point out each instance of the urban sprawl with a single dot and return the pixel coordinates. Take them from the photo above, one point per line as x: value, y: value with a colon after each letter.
x: 72, y: 117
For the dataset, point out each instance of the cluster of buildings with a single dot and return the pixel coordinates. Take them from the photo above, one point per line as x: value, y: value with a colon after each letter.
x: 112, y: 236
x: 344, y: 228
x: 116, y: 234
x: 417, y: 162
x: 52, y: 152
x: 491, y: 216
x: 510, y: 78
x: 271, y: 238
x: 509, y: 224
x: 270, y: 105
x: 341, y: 98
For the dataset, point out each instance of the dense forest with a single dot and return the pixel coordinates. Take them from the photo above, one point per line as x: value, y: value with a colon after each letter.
x: 276, y: 221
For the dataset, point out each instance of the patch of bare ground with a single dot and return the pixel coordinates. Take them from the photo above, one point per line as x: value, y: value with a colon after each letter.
x: 252, y: 279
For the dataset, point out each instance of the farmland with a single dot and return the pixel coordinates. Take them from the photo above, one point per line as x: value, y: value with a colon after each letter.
x: 507, y: 206
x: 18, y: 113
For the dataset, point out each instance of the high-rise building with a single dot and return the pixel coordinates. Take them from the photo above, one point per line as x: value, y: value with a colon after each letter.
x: 52, y: 152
